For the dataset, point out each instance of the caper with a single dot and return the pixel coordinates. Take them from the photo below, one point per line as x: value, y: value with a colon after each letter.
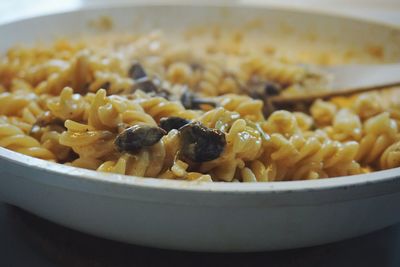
x: 170, y: 123
x: 200, y: 143
x: 136, y: 137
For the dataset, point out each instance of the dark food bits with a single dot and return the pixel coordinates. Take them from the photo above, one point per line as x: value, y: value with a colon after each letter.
x: 136, y: 71
x: 199, y: 143
x: 192, y: 101
x: 171, y: 123
x: 136, y: 137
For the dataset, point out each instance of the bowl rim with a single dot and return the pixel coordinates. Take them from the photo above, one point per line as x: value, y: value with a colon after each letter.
x: 70, y: 172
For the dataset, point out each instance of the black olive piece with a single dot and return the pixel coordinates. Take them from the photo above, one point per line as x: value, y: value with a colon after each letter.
x: 136, y: 137
x: 122, y: 126
x: 170, y: 123
x: 164, y: 93
x: 262, y: 90
x: 187, y: 100
x: 200, y: 143
x: 136, y: 71
x: 272, y: 88
x: 191, y: 101
x: 146, y: 85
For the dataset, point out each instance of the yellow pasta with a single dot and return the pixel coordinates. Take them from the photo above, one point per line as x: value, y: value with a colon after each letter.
x: 68, y: 106
x: 86, y: 141
x: 145, y: 105
x: 247, y: 107
x: 12, y: 103
x: 14, y: 138
x: 159, y: 107
x: 379, y: 133
x: 274, y: 70
x: 323, y: 112
x: 391, y: 156
x: 345, y: 126
x: 144, y: 163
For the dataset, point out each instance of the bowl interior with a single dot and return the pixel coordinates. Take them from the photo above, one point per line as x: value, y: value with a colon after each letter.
x: 307, y: 36
x: 302, y: 35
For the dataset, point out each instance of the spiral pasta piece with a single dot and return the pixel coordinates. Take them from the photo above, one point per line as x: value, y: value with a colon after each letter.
x: 13, y: 138
x: 247, y: 107
x: 256, y: 171
x: 379, y: 133
x: 179, y: 73
x: 86, y: 141
x: 306, y: 158
x: 391, y: 157
x: 68, y: 106
x: 113, y: 82
x: 102, y: 114
x: 346, y: 126
x: 215, y: 80
x: 282, y: 122
x: 51, y: 141
x: 219, y: 118
x: 323, y: 112
x: 18, y: 122
x: 12, y: 104
x: 368, y: 105
x: 144, y: 163
x: 274, y: 70
x: 159, y: 107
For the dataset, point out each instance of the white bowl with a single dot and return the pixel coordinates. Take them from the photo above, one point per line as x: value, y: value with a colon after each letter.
x: 202, y: 216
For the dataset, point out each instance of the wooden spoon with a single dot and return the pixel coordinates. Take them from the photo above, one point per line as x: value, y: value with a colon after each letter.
x: 349, y: 79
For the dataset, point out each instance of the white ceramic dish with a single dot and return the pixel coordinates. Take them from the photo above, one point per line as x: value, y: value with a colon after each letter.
x: 202, y: 216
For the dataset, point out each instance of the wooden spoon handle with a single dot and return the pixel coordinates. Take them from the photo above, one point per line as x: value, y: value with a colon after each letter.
x: 307, y: 98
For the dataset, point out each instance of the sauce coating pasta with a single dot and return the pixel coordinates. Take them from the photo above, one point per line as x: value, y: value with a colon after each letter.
x: 144, y: 106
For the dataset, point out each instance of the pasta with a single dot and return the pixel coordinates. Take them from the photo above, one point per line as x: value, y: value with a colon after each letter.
x: 14, y: 138
x: 143, y: 105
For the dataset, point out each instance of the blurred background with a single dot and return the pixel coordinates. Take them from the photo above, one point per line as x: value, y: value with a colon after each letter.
x: 383, y: 10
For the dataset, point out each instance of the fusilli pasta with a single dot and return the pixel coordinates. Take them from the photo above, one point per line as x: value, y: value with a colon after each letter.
x: 142, y: 105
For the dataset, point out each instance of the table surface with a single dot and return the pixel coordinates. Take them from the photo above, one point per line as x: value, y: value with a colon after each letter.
x: 26, y: 240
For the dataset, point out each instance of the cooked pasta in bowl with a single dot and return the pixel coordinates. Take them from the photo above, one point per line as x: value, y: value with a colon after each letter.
x: 144, y: 106
x: 191, y: 104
